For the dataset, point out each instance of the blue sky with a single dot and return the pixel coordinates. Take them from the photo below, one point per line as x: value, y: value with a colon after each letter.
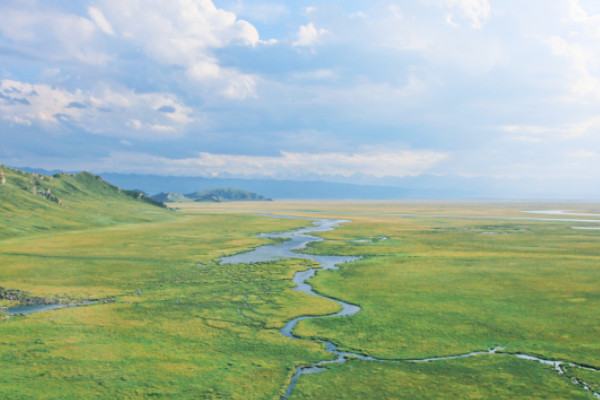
x: 303, y: 89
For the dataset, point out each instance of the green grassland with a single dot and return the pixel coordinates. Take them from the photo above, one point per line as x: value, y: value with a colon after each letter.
x: 179, y: 325
x: 35, y: 204
x: 485, y: 377
x: 444, y: 287
x: 175, y: 329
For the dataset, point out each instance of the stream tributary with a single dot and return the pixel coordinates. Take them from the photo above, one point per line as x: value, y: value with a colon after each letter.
x: 291, y: 248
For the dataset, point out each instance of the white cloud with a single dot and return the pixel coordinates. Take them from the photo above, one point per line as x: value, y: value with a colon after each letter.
x: 316, y: 75
x: 287, y: 164
x: 104, y: 110
x: 536, y: 133
x: 578, y: 14
x: 183, y: 33
x: 98, y: 17
x: 171, y: 32
x: 260, y: 11
x: 477, y: 11
x: 450, y: 21
x: 584, y: 153
x: 358, y: 14
x: 395, y: 11
x: 56, y: 35
x: 583, y: 59
x: 309, y: 36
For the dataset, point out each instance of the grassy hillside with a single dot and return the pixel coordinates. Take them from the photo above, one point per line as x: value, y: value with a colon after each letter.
x: 166, y: 197
x: 34, y: 203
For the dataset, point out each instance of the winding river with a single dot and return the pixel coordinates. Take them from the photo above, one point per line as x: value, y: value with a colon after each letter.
x: 291, y: 248
x: 298, y: 240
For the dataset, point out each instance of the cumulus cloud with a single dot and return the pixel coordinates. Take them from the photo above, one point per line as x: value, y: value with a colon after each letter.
x: 179, y: 33
x: 103, y: 110
x: 183, y: 33
x: 583, y: 60
x: 287, y: 164
x: 260, y: 11
x: 579, y: 48
x: 58, y: 36
x: 477, y: 11
x: 309, y: 36
x: 578, y: 14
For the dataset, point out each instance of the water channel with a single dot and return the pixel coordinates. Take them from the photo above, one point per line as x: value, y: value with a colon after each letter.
x: 298, y: 240
x: 32, y: 309
x: 290, y: 248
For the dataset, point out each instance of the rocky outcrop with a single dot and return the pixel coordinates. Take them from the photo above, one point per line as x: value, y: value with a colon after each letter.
x: 2, y: 178
x: 24, y: 300
x: 47, y: 194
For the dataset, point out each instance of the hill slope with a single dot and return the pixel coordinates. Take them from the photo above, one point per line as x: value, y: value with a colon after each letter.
x: 216, y: 195
x: 33, y: 203
x: 166, y: 197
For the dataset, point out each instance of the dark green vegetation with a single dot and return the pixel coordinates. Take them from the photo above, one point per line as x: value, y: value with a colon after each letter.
x: 217, y: 195
x: 180, y: 325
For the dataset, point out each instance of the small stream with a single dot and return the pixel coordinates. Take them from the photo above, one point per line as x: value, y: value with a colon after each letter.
x: 26, y: 310
x: 298, y: 240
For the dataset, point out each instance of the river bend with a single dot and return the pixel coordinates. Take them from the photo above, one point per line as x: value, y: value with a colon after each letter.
x: 298, y: 240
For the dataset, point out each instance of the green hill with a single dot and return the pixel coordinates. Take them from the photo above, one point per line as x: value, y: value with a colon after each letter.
x: 166, y: 197
x: 216, y: 195
x: 33, y: 203
x: 225, y: 194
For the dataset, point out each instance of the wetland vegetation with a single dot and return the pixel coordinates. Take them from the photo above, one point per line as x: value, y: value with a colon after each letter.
x: 183, y: 325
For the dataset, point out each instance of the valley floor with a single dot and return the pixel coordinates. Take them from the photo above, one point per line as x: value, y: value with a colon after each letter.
x: 178, y: 324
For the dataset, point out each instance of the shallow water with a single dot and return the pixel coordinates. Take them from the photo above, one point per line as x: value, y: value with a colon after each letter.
x: 562, y: 212
x: 26, y: 310
x: 298, y: 240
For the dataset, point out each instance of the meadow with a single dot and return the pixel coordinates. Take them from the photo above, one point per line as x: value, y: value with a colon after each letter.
x: 176, y: 324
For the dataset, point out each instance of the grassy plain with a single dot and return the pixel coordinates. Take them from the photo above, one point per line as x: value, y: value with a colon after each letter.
x: 183, y: 326
x: 180, y: 326
x: 486, y: 377
x: 432, y: 286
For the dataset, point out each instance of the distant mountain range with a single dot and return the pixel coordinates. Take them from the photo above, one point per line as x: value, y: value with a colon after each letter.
x: 420, y: 187
x: 216, y: 195
x: 275, y: 189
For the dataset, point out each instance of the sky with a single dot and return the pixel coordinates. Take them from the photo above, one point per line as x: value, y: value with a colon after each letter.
x: 366, y: 90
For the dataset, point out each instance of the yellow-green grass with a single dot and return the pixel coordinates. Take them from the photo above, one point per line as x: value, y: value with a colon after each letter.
x: 193, y: 331
x: 198, y: 329
x: 431, y: 289
x: 449, y: 208
x: 29, y: 204
x: 444, y: 287
x: 584, y: 376
x: 483, y: 377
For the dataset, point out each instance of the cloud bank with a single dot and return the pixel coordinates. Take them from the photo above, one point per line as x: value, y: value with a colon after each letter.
x: 463, y: 87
